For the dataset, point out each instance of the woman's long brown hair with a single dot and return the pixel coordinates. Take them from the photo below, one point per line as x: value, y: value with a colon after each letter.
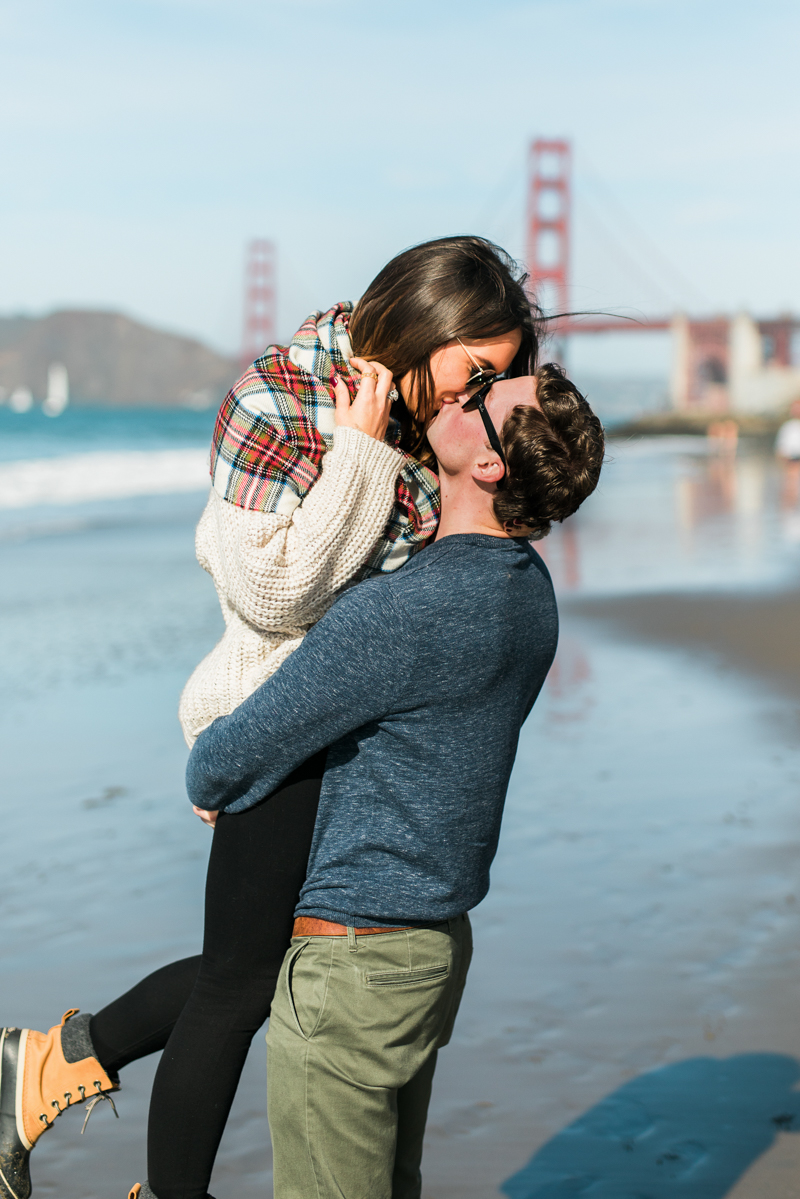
x: 463, y: 287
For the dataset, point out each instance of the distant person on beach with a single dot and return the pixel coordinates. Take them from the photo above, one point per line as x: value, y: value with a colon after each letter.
x: 787, y: 449
x: 423, y: 731
x: 321, y: 477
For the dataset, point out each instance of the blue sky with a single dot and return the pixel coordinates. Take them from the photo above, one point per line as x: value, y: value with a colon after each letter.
x: 142, y: 143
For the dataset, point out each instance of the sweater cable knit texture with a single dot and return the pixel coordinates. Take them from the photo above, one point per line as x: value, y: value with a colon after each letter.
x: 299, y: 508
x: 276, y: 575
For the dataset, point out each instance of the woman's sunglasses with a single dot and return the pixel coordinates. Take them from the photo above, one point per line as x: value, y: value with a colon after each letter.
x: 482, y: 382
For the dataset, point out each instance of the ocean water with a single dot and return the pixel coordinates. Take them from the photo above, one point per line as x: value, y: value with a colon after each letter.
x: 32, y: 435
x: 638, y: 946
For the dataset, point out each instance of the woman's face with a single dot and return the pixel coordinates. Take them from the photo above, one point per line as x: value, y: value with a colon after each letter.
x: 456, y: 364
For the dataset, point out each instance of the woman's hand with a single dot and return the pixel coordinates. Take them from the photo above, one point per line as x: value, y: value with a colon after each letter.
x: 369, y: 411
x: 209, y: 818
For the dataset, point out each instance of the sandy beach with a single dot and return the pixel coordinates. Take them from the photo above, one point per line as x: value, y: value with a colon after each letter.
x: 758, y: 634
x: 631, y: 1027
x: 648, y: 1044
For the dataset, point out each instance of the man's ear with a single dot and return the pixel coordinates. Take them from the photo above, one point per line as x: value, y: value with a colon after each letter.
x: 488, y: 470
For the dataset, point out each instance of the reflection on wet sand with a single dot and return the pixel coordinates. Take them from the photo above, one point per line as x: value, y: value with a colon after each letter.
x: 570, y: 697
x: 562, y: 555
x: 679, y: 513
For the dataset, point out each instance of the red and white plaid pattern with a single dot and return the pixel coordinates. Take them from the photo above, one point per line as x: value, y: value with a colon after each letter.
x: 277, y: 421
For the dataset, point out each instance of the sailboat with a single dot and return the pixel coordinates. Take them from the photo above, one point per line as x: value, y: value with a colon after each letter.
x: 57, y: 397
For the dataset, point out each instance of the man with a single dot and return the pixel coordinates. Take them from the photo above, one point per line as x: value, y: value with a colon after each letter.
x: 419, y: 682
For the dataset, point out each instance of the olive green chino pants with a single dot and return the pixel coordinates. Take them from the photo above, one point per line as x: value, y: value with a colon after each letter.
x: 353, y: 1034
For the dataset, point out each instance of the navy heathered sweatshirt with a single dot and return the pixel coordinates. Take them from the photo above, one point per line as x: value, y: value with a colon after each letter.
x: 419, y: 682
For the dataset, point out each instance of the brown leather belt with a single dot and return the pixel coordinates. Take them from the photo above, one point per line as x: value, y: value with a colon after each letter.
x: 309, y: 926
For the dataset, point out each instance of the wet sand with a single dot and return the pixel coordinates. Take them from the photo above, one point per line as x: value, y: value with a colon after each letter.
x: 757, y: 633
x: 635, y: 1007
x: 631, y: 1026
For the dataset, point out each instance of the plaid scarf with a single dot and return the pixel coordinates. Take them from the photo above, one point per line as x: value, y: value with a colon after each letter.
x: 277, y: 421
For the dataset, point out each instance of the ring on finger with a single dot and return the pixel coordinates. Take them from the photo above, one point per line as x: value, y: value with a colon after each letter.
x: 368, y: 375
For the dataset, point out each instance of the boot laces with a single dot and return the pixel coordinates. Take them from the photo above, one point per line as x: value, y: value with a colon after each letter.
x: 90, y: 1106
x: 93, y: 1102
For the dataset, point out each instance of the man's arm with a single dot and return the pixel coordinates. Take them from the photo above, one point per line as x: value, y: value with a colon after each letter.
x: 349, y: 670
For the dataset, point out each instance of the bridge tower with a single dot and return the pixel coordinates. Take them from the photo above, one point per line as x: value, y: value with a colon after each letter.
x: 260, y: 299
x: 548, y: 222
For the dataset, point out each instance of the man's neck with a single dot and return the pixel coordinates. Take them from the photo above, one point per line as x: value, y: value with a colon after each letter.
x: 467, y: 508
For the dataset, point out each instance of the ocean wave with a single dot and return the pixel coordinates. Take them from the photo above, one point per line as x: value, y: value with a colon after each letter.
x: 79, y: 478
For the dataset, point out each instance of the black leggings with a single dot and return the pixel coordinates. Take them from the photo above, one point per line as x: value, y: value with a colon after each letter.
x: 204, y: 1011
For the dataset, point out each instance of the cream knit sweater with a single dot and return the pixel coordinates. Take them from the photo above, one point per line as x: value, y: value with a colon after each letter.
x: 276, y: 575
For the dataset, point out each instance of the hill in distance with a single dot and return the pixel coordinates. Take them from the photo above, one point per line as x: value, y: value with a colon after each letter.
x: 112, y: 360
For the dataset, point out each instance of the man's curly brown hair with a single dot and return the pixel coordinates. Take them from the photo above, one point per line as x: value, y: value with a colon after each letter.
x: 554, y: 456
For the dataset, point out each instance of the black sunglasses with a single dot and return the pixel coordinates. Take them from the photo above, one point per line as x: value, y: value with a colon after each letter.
x: 477, y: 400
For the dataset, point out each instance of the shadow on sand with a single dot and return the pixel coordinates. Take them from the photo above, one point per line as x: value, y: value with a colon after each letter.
x: 691, y: 1129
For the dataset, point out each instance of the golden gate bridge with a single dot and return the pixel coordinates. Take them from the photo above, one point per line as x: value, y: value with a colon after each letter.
x: 724, y: 363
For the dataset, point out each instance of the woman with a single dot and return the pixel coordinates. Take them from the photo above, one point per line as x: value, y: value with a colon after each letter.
x: 320, y: 477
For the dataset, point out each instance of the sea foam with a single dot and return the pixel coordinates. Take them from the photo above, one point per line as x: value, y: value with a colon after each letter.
x: 78, y: 478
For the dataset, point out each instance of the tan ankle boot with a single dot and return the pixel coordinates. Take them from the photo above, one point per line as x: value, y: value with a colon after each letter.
x: 37, y: 1084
